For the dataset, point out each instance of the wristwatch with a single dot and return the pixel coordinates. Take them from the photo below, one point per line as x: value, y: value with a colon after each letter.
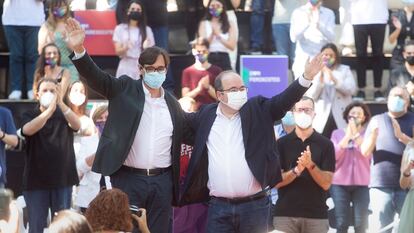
x: 407, y: 174
x: 295, y: 172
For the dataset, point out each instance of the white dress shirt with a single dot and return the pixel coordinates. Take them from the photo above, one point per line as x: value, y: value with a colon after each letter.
x: 228, y: 172
x: 152, y: 144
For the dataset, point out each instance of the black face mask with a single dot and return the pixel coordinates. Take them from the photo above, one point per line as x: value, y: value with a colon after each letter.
x: 410, y: 60
x: 135, y: 15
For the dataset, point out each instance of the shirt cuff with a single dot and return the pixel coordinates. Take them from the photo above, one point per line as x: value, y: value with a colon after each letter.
x: 79, y: 55
x: 304, y: 82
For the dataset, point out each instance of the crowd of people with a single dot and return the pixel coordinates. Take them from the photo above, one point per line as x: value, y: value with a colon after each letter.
x: 212, y: 161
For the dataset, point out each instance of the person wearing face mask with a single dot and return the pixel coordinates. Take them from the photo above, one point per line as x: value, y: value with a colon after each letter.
x: 21, y: 21
x: 53, y: 31
x: 307, y: 161
x: 130, y: 38
x: 234, y: 142
x: 286, y: 126
x: 140, y: 144
x: 311, y: 27
x: 220, y: 33
x: 385, y: 137
x: 401, y: 29
x: 351, y: 178
x: 401, y: 75
x: 50, y: 167
x: 198, y: 79
x: 85, y: 142
x: 332, y: 91
x: 48, y: 66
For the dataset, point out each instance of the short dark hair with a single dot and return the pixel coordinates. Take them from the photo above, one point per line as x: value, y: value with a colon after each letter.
x: 365, y: 108
x: 408, y: 43
x: 150, y: 55
x: 218, y: 82
x: 46, y: 80
x: 200, y: 41
x: 335, y: 50
x: 304, y: 98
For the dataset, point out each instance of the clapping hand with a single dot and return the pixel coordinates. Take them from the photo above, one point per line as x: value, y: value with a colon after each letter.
x: 396, y: 22
x: 306, y: 159
x: 313, y: 67
x: 397, y: 129
x: 75, y: 35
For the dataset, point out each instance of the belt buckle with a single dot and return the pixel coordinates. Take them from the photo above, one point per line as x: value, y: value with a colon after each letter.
x: 148, y: 172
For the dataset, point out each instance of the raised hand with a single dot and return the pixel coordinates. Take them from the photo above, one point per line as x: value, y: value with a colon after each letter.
x: 396, y: 22
x: 313, y: 67
x: 397, y: 128
x: 75, y: 35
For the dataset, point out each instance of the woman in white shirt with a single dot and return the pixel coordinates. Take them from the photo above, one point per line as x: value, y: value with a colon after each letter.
x: 130, y: 38
x: 220, y: 33
x: 332, y: 91
x: 85, y: 143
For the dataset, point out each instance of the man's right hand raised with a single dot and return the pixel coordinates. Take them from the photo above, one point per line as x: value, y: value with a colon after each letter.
x: 75, y: 35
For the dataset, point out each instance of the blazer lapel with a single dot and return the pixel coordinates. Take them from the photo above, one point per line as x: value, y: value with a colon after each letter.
x: 140, y: 100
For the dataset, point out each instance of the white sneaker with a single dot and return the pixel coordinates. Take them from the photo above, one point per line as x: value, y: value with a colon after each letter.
x: 30, y: 95
x: 15, y: 95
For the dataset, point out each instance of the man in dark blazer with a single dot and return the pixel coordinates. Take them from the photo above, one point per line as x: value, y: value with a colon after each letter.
x: 140, y: 144
x: 234, y: 161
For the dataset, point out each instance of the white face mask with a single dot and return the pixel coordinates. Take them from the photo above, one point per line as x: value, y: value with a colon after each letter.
x: 77, y: 98
x: 303, y: 120
x: 46, y: 99
x: 236, y: 100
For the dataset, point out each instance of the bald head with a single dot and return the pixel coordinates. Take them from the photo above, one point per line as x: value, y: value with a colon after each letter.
x: 226, y: 80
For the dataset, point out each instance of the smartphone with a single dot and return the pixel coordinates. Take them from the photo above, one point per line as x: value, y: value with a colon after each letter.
x: 6, y: 196
x: 135, y: 210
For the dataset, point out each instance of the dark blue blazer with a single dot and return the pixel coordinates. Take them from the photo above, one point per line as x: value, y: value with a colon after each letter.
x: 257, y: 119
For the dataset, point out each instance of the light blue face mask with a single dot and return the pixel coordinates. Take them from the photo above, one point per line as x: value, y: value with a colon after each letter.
x: 288, y: 119
x: 396, y: 104
x: 154, y: 79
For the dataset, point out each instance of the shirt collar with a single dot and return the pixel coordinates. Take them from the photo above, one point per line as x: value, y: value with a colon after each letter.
x: 147, y: 93
x: 295, y: 136
x: 220, y: 113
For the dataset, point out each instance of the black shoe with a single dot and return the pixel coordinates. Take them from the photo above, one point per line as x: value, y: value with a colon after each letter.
x: 360, y: 96
x: 378, y: 96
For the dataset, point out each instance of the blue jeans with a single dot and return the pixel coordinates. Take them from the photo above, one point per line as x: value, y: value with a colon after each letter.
x: 385, y: 203
x: 281, y: 37
x: 257, y: 24
x: 343, y: 196
x: 161, y: 36
x: 22, y: 42
x: 38, y: 203
x: 249, y: 217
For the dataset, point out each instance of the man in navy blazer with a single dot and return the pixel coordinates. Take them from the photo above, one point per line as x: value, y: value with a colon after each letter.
x: 234, y: 161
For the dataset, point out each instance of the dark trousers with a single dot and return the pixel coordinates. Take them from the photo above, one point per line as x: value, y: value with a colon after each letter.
x: 376, y: 33
x: 154, y: 193
x: 38, y: 203
x: 220, y: 59
x: 22, y: 42
x: 343, y: 196
x: 249, y: 217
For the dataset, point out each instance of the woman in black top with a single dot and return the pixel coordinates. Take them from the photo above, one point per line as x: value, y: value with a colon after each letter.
x: 401, y: 30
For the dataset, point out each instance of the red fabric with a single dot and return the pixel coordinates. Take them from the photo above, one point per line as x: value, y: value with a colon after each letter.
x: 190, y: 78
x: 185, y: 159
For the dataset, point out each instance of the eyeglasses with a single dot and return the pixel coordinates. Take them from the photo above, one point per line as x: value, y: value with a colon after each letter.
x: 235, y: 89
x: 305, y: 110
x: 159, y: 69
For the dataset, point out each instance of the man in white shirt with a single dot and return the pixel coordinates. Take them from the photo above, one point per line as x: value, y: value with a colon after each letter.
x: 312, y: 26
x: 234, y: 162
x: 140, y: 145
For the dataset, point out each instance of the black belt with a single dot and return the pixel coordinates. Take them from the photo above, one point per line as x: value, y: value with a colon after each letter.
x: 145, y: 172
x: 239, y: 200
